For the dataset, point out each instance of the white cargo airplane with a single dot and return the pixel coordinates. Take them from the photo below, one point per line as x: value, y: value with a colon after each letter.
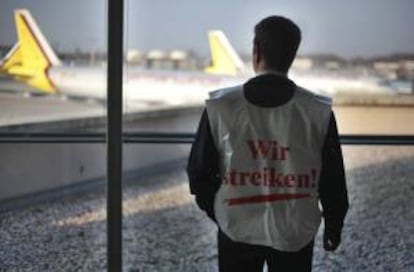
x: 33, y: 62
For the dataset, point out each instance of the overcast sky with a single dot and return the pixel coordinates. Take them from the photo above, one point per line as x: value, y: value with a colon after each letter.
x: 349, y: 28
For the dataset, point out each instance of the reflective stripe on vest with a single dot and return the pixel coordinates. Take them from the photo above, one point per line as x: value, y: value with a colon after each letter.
x: 270, y: 162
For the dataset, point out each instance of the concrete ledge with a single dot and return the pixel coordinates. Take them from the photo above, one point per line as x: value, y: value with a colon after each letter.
x: 33, y: 169
x: 96, y: 185
x: 374, y: 100
x: 99, y: 122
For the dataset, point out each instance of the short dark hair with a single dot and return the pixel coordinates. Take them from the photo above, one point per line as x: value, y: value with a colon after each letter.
x: 277, y: 39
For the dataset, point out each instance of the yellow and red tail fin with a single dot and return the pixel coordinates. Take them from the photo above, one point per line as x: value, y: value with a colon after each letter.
x: 31, y: 57
x: 224, y: 59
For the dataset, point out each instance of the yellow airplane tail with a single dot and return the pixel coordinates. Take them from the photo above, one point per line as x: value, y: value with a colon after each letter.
x: 31, y: 57
x: 224, y: 59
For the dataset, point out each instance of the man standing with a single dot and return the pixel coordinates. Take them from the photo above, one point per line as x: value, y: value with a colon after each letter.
x: 265, y: 154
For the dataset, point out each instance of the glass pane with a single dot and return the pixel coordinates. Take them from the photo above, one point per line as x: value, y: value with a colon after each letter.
x: 352, y: 61
x: 178, y: 51
x: 52, y: 81
x: 53, y: 66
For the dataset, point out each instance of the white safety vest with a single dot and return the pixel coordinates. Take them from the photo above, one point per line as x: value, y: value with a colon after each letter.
x: 270, y: 163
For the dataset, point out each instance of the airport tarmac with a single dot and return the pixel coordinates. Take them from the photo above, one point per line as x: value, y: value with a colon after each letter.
x: 34, y: 111
x: 375, y: 119
x: 355, y: 115
x: 23, y: 109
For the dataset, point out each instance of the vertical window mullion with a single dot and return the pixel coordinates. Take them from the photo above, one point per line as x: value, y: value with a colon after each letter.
x: 114, y: 134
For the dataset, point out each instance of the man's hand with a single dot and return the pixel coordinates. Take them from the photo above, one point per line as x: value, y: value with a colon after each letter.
x: 331, y: 239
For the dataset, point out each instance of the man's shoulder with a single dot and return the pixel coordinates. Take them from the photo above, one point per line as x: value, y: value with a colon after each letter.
x: 224, y: 100
x: 308, y: 95
x: 225, y: 92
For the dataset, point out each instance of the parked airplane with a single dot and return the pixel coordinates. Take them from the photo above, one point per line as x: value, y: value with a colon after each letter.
x: 33, y: 61
x: 342, y: 83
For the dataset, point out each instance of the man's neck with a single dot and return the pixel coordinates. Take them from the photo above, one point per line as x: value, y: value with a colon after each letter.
x: 263, y: 71
x: 266, y: 72
x: 269, y: 89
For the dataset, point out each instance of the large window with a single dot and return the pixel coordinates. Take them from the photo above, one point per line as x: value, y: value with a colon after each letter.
x: 53, y: 125
x: 170, y: 65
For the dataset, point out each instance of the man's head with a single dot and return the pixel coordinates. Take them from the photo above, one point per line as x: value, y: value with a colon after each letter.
x: 276, y: 41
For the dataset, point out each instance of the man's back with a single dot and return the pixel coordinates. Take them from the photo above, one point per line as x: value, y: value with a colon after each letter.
x: 270, y: 166
x: 262, y: 158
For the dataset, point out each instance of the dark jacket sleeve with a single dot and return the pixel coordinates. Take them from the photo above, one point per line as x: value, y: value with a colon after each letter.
x: 203, y: 167
x: 332, y: 184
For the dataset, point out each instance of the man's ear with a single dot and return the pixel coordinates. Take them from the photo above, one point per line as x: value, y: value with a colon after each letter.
x: 257, y: 57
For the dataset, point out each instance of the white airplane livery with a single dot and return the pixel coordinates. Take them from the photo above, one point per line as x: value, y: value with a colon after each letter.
x: 33, y: 61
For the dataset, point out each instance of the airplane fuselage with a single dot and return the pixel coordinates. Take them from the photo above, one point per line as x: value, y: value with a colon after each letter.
x: 33, y: 61
x: 172, y: 87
